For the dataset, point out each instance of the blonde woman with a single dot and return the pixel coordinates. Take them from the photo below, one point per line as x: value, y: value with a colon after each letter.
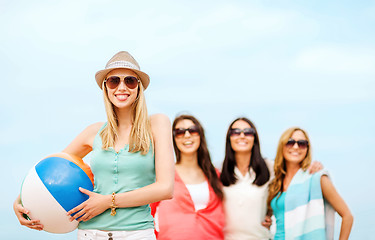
x: 302, y: 202
x: 132, y: 159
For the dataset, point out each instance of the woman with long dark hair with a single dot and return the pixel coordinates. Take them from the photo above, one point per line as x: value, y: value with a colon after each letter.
x: 196, y: 211
x: 245, y: 176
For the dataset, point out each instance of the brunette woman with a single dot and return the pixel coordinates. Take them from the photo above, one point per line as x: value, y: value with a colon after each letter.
x: 195, y: 212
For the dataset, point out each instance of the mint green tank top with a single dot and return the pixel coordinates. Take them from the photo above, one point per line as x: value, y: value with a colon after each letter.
x: 278, y: 207
x: 120, y: 172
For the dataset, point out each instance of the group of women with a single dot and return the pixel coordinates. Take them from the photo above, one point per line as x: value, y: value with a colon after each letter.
x: 133, y: 167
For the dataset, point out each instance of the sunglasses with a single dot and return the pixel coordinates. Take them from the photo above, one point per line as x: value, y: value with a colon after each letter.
x: 237, y: 132
x: 112, y: 82
x: 180, y: 132
x: 302, y: 144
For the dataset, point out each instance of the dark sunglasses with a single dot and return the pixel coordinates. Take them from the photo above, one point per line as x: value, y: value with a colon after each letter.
x: 112, y: 82
x: 246, y: 131
x: 180, y: 132
x: 302, y: 144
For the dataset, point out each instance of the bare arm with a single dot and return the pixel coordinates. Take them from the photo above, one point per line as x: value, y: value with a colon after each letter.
x: 82, y: 144
x: 161, y: 189
x: 331, y: 195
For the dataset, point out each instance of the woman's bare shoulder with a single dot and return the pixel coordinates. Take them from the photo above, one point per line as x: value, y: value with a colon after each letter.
x: 159, y: 119
x: 93, y: 129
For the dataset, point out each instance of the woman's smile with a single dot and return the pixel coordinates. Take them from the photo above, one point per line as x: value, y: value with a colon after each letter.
x: 188, y: 143
x: 122, y: 96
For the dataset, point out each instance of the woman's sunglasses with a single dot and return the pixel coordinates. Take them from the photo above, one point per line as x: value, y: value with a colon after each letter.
x: 112, y: 82
x: 237, y: 132
x: 180, y: 132
x: 302, y: 144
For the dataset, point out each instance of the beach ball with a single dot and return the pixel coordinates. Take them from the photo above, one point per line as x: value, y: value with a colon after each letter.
x: 50, y: 190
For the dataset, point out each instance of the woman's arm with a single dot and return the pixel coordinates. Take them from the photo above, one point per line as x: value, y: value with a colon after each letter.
x: 82, y: 144
x: 331, y: 195
x: 161, y: 189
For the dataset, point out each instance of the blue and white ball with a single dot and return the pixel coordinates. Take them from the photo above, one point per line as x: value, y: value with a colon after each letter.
x: 50, y: 190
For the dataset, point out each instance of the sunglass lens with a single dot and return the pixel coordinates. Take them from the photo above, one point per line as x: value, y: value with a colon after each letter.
x: 303, y: 144
x: 290, y: 143
x: 179, y: 132
x: 249, y: 131
x: 113, y: 82
x: 193, y: 130
x: 131, y: 82
x: 235, y: 132
x: 300, y: 143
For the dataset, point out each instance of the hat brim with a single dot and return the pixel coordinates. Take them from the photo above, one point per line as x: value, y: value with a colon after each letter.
x: 100, y: 76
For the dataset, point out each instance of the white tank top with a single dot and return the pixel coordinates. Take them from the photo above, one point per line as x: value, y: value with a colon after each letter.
x: 199, y: 194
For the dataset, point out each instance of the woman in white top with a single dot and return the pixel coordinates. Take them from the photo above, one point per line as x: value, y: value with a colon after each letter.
x: 245, y: 176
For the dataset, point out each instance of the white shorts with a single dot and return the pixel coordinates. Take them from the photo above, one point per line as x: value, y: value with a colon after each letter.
x: 147, y: 234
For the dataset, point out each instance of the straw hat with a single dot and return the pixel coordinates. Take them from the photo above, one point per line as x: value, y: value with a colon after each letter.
x: 122, y: 60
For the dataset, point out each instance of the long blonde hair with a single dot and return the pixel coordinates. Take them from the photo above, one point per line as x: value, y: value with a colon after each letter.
x: 140, y: 135
x: 279, y: 166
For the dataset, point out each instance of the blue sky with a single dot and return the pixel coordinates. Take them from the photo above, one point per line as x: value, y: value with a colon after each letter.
x: 280, y: 63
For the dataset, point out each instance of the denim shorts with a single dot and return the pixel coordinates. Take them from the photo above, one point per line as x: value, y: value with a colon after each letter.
x: 89, y: 234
